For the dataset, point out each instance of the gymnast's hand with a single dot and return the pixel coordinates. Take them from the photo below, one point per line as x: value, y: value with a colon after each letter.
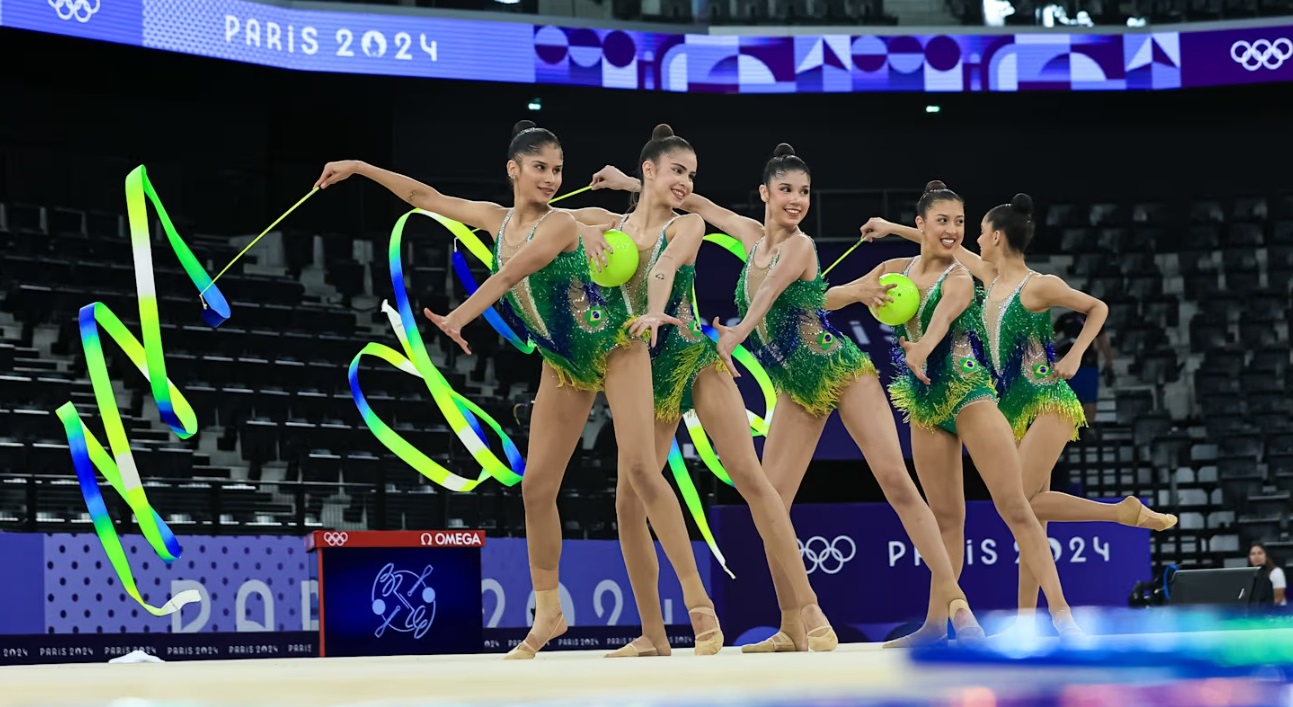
x: 872, y: 294
x: 916, y: 355
x: 595, y: 245
x: 652, y: 321
x: 334, y: 172
x: 1067, y: 367
x: 728, y: 339
x: 874, y: 228
x: 449, y: 327
x: 609, y: 177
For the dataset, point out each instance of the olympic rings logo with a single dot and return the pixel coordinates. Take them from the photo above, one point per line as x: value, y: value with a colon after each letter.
x: 1262, y: 52
x: 82, y: 10
x: 829, y: 556
x: 336, y: 539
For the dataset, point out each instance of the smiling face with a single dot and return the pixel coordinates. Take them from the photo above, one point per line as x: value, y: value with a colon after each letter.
x: 787, y: 195
x: 943, y: 225
x: 671, y: 177
x: 536, y: 177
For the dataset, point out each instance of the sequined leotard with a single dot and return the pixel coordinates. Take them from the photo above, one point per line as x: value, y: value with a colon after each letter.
x: 681, y: 353
x: 1022, y: 353
x: 574, y: 324
x: 805, y: 357
x: 956, y: 369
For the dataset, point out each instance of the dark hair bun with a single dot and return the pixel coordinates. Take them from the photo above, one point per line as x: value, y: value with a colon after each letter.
x: 1023, y: 204
x: 783, y: 150
x: 935, y: 185
x: 522, y: 126
x: 661, y: 132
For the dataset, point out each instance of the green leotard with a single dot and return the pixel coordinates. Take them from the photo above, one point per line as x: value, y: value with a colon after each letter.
x: 1022, y: 353
x: 681, y: 353
x: 572, y: 321
x: 957, y: 373
x: 805, y: 357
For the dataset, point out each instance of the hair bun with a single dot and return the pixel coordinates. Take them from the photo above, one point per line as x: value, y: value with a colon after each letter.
x: 1023, y: 204
x: 783, y: 150
x: 935, y: 185
x: 521, y: 126
x: 661, y: 132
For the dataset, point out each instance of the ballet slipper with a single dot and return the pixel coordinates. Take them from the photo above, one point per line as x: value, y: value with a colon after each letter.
x: 1065, y: 626
x: 640, y: 647
x: 526, y: 649
x: 968, y: 631
x: 1134, y: 513
x: 821, y: 639
x: 779, y: 642
x: 708, y: 642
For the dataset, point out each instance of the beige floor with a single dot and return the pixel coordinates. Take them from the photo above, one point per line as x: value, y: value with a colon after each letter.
x: 555, y: 676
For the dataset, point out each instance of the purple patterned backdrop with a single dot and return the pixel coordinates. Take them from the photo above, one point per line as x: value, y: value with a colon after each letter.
x: 516, y: 52
x: 247, y: 583
x: 253, y: 584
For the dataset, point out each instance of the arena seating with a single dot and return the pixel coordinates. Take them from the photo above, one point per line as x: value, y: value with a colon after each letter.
x: 1198, y: 293
x: 1198, y: 419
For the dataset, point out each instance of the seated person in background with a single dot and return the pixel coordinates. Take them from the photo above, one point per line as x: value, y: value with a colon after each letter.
x: 1271, y: 584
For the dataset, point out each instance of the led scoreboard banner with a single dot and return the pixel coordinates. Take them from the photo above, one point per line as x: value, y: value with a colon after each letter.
x: 401, y: 592
x: 420, y: 45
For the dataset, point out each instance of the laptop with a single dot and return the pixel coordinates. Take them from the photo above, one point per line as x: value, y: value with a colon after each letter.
x: 1231, y: 586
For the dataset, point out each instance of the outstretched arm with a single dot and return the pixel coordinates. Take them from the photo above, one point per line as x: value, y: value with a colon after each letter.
x: 876, y: 228
x: 558, y: 233
x: 484, y: 215
x: 689, y: 232
x: 1048, y: 291
x: 866, y: 289
x: 746, y: 230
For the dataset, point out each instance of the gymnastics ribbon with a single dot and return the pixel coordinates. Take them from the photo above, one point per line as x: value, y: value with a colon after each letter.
x: 118, y: 466
x: 463, y: 416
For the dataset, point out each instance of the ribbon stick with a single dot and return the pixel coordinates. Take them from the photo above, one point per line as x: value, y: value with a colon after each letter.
x: 462, y: 415
x: 256, y: 240
x: 118, y: 465
x: 841, y: 258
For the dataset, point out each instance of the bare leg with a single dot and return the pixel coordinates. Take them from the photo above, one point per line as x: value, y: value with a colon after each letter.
x: 789, y: 448
x: 877, y: 437
x: 721, y: 410
x: 638, y: 548
x: 1039, y: 450
x: 553, y: 437
x: 988, y: 438
x: 628, y: 392
x: 937, y: 456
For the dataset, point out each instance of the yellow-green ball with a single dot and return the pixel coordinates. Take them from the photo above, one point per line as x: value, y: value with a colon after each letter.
x: 906, y: 300
x: 621, y: 263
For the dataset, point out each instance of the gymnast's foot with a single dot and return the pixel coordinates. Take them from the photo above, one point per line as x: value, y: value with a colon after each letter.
x: 1134, y: 513
x: 791, y: 638
x: 1065, y: 626
x: 549, y: 623
x: 642, y: 647
x: 709, y: 636
x: 821, y: 637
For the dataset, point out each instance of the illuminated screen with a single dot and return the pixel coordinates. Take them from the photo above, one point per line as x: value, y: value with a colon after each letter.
x: 515, y: 52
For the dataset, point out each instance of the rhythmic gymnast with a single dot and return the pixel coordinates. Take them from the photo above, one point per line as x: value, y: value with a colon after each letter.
x: 1034, y: 394
x: 783, y: 301
x: 581, y: 331
x: 948, y: 396
x: 687, y: 373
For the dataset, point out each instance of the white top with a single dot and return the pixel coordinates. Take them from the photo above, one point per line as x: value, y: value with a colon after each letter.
x: 1278, y: 581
